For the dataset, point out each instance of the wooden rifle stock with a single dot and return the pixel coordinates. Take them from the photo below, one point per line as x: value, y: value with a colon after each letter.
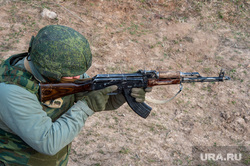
x: 51, y: 91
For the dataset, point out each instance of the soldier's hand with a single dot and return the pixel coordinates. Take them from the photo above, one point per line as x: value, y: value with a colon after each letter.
x: 115, y: 101
x: 139, y: 94
x: 97, y: 100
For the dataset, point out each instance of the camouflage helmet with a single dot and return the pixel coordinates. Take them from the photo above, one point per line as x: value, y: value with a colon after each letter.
x: 59, y: 51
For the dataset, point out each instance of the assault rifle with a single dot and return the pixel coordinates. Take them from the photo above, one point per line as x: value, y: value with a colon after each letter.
x: 125, y: 82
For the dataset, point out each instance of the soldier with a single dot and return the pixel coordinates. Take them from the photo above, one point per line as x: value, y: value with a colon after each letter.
x: 35, y: 133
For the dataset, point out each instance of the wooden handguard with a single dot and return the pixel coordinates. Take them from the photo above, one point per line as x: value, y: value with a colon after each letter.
x: 169, y: 74
x: 166, y: 78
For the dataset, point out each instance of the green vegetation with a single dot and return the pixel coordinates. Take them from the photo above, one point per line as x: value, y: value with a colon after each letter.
x: 124, y: 150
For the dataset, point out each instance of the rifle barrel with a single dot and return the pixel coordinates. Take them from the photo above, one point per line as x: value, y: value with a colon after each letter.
x: 203, y: 79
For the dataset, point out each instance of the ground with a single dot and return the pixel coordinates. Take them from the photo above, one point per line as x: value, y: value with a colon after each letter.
x: 190, y: 36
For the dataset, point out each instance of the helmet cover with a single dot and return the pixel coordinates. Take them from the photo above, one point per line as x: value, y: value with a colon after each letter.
x: 59, y: 51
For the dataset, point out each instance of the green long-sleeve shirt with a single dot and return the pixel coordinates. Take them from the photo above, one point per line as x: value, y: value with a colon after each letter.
x: 22, y: 114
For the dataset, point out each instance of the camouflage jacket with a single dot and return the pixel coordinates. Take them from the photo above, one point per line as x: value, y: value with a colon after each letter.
x: 31, y: 133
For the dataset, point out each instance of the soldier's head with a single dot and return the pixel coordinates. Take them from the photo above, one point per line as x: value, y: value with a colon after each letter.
x: 58, y: 51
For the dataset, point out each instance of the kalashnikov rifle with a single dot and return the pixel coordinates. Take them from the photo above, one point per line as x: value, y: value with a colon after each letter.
x: 125, y: 82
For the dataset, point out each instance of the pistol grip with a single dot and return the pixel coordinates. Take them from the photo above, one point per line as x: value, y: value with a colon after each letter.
x: 141, y: 109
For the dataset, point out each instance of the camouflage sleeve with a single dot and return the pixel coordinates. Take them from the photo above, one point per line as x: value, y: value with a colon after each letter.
x: 22, y: 113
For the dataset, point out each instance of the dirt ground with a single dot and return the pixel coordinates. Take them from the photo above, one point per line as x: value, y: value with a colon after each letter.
x: 125, y: 36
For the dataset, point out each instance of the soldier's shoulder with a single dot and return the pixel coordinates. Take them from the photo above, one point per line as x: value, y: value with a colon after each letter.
x: 8, y: 90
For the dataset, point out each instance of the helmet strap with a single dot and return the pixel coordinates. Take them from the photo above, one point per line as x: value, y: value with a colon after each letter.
x: 30, y: 45
x: 29, y: 66
x: 26, y: 65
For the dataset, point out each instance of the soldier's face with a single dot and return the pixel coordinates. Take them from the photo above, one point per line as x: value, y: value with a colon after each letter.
x: 69, y: 78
